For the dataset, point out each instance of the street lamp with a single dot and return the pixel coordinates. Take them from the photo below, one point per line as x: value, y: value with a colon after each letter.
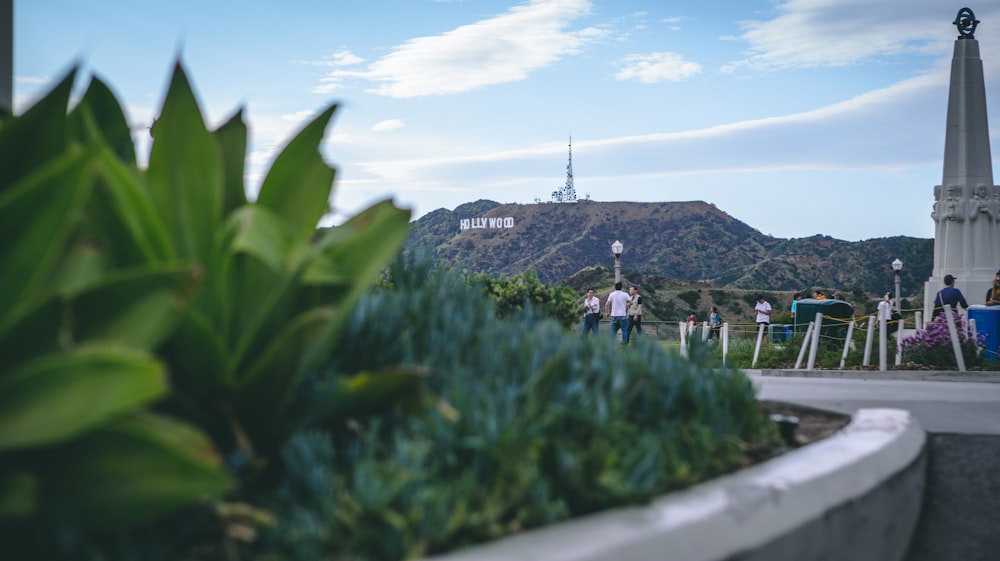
x: 897, y: 266
x: 617, y: 248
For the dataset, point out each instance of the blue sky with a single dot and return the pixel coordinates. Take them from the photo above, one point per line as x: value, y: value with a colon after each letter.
x: 798, y: 117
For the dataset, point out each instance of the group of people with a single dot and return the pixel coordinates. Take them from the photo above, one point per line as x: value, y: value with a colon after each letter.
x: 624, y: 310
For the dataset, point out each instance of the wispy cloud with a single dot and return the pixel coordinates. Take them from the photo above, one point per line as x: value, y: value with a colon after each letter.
x: 657, y: 67
x: 32, y: 79
x: 497, y: 50
x: 388, y: 125
x: 298, y: 116
x: 811, y: 33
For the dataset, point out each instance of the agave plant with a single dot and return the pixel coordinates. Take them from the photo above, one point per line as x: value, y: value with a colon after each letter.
x: 153, y: 317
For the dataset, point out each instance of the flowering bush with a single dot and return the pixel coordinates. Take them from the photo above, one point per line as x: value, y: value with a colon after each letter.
x: 932, y: 346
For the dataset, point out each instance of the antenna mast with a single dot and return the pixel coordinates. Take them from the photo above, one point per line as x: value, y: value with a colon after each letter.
x: 567, y: 194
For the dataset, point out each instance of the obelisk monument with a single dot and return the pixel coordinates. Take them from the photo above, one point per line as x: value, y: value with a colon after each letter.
x: 967, y: 204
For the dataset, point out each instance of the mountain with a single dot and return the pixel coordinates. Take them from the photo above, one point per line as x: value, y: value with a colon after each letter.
x: 691, y: 241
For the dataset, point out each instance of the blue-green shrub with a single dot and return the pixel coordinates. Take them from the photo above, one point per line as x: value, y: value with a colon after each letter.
x: 524, y: 424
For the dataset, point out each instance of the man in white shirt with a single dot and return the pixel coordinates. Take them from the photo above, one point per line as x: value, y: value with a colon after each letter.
x: 617, y: 307
x: 763, y: 309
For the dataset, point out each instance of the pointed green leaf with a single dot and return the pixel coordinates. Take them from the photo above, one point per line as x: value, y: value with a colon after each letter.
x: 35, y: 137
x: 102, y: 108
x: 232, y: 138
x: 299, y: 183
x: 137, y: 308
x: 40, y: 213
x: 267, y: 379
x: 131, y: 470
x: 60, y: 396
x: 262, y: 234
x: 130, y: 226
x: 352, y: 256
x: 185, y: 172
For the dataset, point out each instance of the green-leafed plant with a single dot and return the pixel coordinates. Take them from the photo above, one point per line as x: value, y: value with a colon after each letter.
x: 144, y: 309
x: 533, y: 424
x: 513, y: 293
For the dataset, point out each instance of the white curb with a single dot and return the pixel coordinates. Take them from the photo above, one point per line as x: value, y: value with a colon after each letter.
x: 854, y: 496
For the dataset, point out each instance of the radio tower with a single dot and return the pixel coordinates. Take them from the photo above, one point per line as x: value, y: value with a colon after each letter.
x: 567, y: 194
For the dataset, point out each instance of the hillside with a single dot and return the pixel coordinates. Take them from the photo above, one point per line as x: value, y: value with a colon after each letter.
x: 690, y: 241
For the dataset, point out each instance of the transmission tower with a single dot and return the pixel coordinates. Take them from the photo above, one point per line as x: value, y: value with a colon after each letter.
x: 567, y: 194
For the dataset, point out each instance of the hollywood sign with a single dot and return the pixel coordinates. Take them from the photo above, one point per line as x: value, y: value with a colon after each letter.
x: 485, y: 223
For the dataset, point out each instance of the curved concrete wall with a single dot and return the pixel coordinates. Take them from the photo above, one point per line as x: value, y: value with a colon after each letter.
x: 854, y: 496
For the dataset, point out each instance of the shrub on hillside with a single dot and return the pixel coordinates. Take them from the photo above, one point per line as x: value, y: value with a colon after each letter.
x: 513, y: 294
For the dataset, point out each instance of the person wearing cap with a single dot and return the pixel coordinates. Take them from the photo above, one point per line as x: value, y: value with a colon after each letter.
x: 949, y: 295
x: 993, y: 294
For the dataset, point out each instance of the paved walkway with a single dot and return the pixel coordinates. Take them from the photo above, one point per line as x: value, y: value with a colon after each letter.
x: 966, y: 404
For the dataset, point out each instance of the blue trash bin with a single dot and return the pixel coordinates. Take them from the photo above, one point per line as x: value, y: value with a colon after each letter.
x: 988, y: 324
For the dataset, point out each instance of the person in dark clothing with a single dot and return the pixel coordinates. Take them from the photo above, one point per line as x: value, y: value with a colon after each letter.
x: 949, y: 295
x: 993, y: 294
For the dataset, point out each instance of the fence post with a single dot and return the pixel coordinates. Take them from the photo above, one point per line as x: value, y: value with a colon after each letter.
x: 683, y: 329
x: 918, y: 320
x: 883, y: 350
x: 868, y: 342
x: 847, y: 343
x: 805, y: 345
x: 815, y: 341
x: 959, y: 359
x: 725, y: 341
x: 756, y: 350
x: 704, y: 331
x: 899, y: 340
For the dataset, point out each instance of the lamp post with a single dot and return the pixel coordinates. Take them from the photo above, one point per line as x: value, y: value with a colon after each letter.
x: 617, y: 248
x: 897, y: 266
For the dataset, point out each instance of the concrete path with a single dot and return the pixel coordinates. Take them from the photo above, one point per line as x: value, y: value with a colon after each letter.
x: 959, y: 407
x: 961, y: 413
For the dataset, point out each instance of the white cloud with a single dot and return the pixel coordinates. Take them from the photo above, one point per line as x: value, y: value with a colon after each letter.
x: 32, y: 80
x: 298, y: 116
x: 388, y: 125
x: 812, y: 33
x: 343, y: 58
x: 657, y: 67
x: 501, y: 49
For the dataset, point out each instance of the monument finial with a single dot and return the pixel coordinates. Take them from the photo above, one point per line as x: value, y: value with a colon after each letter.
x: 966, y: 22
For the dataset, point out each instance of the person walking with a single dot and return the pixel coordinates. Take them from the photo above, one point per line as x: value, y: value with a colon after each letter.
x: 884, y: 309
x: 949, y: 295
x: 634, y: 313
x: 616, y: 308
x: 763, y: 311
x: 714, y: 322
x: 591, y: 315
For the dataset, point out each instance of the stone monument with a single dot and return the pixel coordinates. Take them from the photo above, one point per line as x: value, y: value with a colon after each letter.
x: 966, y: 209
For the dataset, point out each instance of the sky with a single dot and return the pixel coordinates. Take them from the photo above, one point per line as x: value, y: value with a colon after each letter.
x: 797, y: 117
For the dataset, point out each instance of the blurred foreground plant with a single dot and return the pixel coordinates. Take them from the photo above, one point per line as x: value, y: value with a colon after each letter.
x: 129, y: 289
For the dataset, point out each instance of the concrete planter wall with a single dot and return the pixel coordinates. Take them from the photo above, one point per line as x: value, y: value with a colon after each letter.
x: 855, y: 496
